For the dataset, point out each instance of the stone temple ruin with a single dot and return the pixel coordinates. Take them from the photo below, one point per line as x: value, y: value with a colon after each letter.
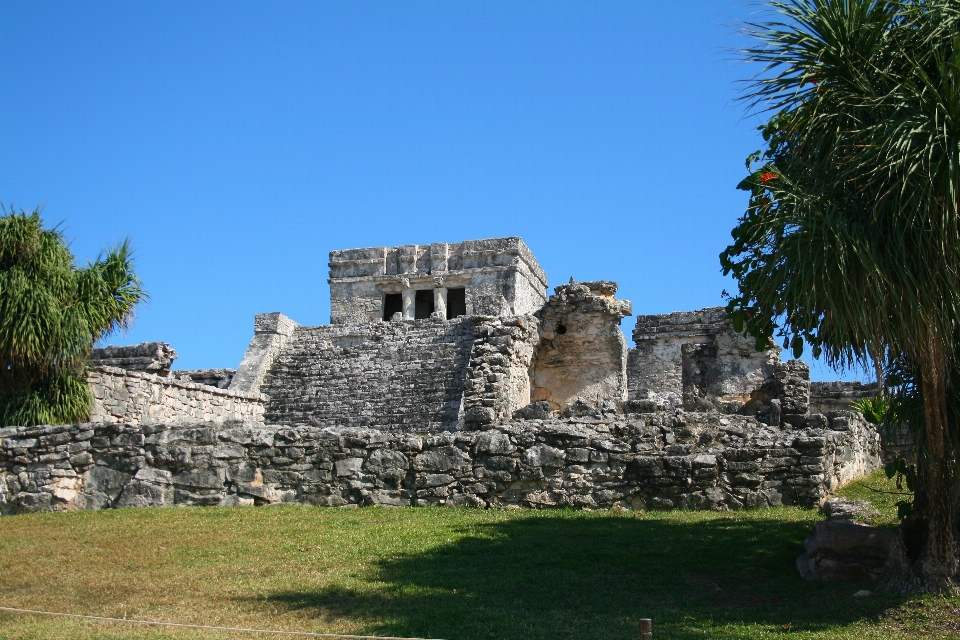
x: 448, y: 376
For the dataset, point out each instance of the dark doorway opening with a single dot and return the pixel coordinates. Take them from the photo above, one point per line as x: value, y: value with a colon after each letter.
x: 392, y: 303
x: 456, y: 303
x: 423, y: 304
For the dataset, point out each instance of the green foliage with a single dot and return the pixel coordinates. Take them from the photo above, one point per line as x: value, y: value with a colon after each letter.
x: 850, y: 240
x: 873, y: 410
x: 51, y: 314
x: 906, y: 477
x: 882, y: 493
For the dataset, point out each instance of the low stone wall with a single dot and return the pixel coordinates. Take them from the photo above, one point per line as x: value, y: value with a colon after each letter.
x: 134, y: 397
x: 652, y: 461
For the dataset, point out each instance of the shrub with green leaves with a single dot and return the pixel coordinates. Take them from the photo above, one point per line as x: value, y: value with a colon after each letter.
x: 51, y: 314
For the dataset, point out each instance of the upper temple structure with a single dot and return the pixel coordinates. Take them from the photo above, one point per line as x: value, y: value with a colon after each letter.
x: 498, y: 277
x: 463, y: 335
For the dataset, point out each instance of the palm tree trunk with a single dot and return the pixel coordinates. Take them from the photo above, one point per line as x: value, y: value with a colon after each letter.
x: 936, y: 567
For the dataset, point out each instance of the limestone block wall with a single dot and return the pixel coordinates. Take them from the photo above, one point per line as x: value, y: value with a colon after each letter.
x: 498, y: 377
x: 832, y: 396
x: 664, y: 460
x: 390, y: 375
x: 582, y: 352
x: 695, y: 359
x: 135, y: 397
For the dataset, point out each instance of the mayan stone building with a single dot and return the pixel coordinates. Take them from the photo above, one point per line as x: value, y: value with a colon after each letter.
x: 445, y: 336
x: 449, y: 375
x: 497, y: 277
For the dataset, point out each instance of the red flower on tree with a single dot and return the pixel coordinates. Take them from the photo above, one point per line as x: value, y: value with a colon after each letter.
x: 767, y: 177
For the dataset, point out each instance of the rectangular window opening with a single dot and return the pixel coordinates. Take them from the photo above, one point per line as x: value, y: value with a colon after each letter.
x: 392, y: 303
x: 423, y: 304
x: 456, y: 303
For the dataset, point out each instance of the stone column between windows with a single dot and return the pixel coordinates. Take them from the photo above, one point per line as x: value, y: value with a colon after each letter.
x: 409, y: 304
x: 440, y: 301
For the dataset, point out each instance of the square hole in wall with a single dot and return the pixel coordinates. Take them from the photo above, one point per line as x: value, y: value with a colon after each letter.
x: 392, y: 303
x: 423, y: 304
x: 456, y: 303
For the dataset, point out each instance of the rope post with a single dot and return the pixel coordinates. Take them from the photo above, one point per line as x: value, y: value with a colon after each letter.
x: 646, y: 629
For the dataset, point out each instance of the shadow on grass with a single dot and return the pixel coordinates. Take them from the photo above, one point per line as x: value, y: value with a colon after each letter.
x: 569, y: 575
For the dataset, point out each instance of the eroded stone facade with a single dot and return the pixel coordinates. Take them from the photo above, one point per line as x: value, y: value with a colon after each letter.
x: 581, y: 353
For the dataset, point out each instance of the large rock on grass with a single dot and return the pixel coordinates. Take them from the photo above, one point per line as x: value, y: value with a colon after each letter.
x: 845, y: 551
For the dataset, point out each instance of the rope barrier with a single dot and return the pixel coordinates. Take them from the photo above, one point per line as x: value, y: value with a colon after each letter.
x: 202, y: 626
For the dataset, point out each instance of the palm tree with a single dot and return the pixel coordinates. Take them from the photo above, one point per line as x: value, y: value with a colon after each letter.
x: 851, y: 240
x: 51, y: 314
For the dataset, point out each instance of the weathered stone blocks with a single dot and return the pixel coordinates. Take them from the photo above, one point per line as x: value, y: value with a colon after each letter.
x: 650, y: 461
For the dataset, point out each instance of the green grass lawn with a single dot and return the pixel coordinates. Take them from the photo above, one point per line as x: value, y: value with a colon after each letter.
x: 457, y: 574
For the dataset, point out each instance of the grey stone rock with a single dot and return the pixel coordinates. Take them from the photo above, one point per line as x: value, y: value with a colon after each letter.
x: 844, y: 551
x: 493, y: 443
x: 480, y: 415
x: 144, y: 494
x: 443, y: 459
x: 535, y: 411
x: 105, y: 481
x: 199, y: 479
x: 348, y: 467
x: 843, y: 509
x: 383, y: 459
x: 543, y: 455
x: 436, y: 480
x: 154, y: 476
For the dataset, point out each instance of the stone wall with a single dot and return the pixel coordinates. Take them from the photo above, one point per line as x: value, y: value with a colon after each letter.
x: 498, y: 377
x: 694, y: 359
x: 664, y: 460
x: 832, y: 396
x: 135, y: 397
x: 582, y: 353
x: 271, y: 332
x: 390, y: 375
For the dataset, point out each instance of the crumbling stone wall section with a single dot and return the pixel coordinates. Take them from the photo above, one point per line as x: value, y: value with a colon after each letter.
x: 219, y: 378
x: 834, y: 396
x: 149, y: 357
x: 792, y: 389
x: 391, y: 375
x: 695, y: 359
x: 582, y: 352
x: 664, y: 460
x: 134, y: 397
x: 498, y: 377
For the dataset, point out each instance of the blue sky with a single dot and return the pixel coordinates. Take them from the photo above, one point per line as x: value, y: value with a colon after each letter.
x: 238, y: 143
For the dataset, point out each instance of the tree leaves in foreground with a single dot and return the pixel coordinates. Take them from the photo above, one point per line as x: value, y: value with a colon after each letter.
x: 851, y: 240
x: 51, y: 314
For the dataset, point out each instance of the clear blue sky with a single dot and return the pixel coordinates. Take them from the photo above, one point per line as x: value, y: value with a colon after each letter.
x: 237, y: 143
